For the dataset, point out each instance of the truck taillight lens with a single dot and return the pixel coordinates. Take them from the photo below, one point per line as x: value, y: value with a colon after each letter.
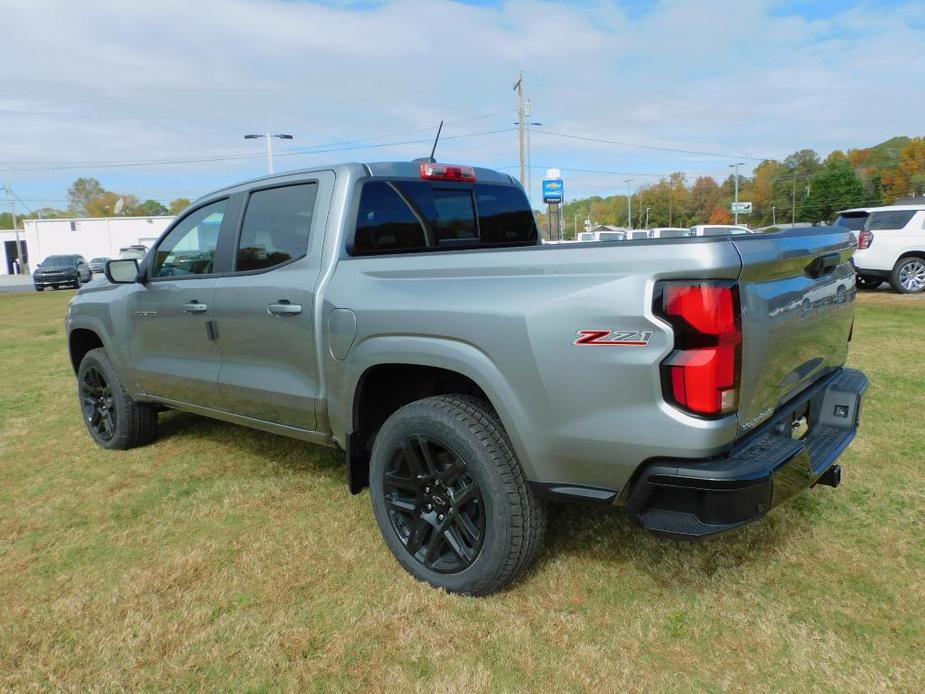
x: 447, y: 172
x: 701, y: 375
x: 865, y: 238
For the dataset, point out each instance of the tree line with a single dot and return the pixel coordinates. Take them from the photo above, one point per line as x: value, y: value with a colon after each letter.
x: 88, y: 198
x: 803, y: 187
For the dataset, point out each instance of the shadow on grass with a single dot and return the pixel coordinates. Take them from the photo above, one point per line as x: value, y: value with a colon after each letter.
x: 288, y: 453
x: 584, y: 531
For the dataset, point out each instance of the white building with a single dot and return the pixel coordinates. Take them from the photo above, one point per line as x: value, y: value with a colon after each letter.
x: 91, y: 237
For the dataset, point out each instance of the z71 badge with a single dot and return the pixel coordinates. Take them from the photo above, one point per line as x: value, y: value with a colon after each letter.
x: 614, y: 338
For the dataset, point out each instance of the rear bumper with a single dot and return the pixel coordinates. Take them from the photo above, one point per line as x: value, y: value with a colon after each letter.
x: 697, y: 499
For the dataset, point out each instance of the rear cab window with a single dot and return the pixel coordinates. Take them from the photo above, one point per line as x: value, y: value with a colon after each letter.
x: 404, y: 215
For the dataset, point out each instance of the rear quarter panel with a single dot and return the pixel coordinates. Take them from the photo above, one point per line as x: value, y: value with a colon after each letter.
x: 508, y: 320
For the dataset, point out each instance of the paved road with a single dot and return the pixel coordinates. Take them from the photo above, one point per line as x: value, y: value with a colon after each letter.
x: 15, y: 283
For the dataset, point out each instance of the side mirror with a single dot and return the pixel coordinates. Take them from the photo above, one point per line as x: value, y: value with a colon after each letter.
x: 122, y: 271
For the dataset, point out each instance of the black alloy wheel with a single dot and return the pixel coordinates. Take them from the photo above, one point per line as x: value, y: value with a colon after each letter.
x: 434, y: 504
x: 98, y: 403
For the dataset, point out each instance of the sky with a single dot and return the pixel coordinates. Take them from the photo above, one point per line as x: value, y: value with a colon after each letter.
x: 130, y: 92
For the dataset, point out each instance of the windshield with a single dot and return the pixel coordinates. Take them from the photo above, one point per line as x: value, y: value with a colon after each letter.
x: 59, y: 260
x: 851, y: 220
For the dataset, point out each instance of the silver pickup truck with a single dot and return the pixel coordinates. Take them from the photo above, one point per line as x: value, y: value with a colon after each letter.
x: 408, y: 314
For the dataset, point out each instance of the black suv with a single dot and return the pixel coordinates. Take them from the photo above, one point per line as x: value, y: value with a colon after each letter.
x: 58, y: 270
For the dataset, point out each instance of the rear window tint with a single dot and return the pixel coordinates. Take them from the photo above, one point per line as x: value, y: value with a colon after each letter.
x: 852, y: 220
x: 391, y: 214
x: 385, y: 222
x: 889, y: 219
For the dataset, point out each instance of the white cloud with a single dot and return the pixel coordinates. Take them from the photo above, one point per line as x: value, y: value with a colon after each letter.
x: 113, y: 81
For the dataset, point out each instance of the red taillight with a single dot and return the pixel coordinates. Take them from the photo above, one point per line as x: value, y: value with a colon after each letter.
x: 702, y: 374
x: 447, y: 172
x: 865, y: 238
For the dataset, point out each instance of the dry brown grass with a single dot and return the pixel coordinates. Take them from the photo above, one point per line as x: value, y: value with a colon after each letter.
x: 226, y: 558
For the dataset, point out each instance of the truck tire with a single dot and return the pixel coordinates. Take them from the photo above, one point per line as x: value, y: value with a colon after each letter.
x: 450, y: 496
x: 908, y: 276
x: 114, y: 420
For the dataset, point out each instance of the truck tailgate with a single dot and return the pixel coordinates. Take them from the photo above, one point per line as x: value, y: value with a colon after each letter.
x: 797, y: 294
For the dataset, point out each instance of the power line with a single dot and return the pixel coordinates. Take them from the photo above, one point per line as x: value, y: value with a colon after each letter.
x: 641, y: 146
x: 233, y: 157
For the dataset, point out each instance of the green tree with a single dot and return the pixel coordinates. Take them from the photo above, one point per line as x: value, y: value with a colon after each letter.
x: 178, y: 205
x: 150, y: 208
x: 835, y: 187
x: 82, y: 193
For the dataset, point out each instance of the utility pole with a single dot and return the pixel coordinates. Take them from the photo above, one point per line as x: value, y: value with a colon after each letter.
x: 735, y: 207
x: 647, y: 217
x: 269, y: 138
x: 773, y: 215
x: 793, y: 198
x: 519, y: 88
x: 629, y: 202
x: 576, y: 226
x: 19, y: 250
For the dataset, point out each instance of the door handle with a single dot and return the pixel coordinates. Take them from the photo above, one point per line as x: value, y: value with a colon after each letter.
x: 195, y: 307
x: 284, y: 308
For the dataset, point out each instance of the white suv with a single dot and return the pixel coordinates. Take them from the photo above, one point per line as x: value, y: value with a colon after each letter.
x: 891, y: 246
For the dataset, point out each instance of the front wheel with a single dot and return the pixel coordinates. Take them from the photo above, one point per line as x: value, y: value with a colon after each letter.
x: 450, y: 497
x: 908, y: 277
x: 113, y: 418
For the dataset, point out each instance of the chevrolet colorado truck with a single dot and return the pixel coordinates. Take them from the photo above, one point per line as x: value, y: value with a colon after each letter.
x: 408, y: 314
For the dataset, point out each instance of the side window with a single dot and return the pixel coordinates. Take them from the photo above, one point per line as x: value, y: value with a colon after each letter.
x: 385, y: 222
x: 189, y: 248
x: 276, y: 226
x: 889, y: 219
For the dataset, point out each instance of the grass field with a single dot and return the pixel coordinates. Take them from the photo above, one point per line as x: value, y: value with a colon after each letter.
x: 220, y: 557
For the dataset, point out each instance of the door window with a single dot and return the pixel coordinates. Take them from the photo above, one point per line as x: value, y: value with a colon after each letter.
x: 276, y: 226
x: 189, y: 248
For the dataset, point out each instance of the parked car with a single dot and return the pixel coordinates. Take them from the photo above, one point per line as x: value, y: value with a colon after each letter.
x: 135, y: 251
x: 605, y: 235
x: 98, y: 264
x: 59, y: 270
x: 669, y: 232
x: 891, y: 246
x: 408, y: 315
x: 718, y: 230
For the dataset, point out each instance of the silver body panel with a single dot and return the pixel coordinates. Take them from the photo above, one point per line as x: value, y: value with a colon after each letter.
x: 505, y: 318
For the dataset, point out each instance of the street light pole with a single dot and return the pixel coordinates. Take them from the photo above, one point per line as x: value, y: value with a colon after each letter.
x: 269, y: 138
x: 735, y: 206
x: 519, y: 88
x: 629, y: 202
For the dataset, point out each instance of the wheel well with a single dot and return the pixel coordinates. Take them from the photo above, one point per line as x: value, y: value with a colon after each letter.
x: 382, y: 390
x: 82, y: 341
x: 910, y: 254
